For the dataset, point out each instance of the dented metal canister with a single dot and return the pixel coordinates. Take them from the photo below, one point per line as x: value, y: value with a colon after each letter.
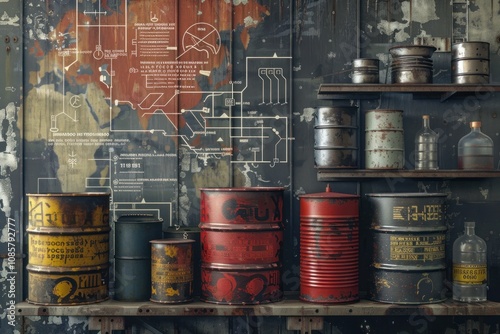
x: 336, y: 137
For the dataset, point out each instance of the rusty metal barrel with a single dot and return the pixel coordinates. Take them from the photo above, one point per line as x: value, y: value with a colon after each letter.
x: 68, y: 248
x: 329, y: 247
x: 241, y: 237
x: 409, y: 235
x: 172, y: 270
x: 384, y: 139
x: 133, y: 232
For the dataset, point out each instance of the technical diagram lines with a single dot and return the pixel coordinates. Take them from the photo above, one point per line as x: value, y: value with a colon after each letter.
x: 274, y: 86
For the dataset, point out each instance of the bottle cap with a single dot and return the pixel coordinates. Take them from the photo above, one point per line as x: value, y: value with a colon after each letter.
x: 425, y: 116
x: 475, y: 124
x: 470, y: 224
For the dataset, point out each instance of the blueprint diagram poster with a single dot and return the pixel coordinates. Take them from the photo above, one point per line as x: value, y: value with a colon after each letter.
x: 152, y: 100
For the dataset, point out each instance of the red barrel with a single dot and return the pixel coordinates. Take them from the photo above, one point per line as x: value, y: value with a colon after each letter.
x: 329, y: 247
x: 241, y: 233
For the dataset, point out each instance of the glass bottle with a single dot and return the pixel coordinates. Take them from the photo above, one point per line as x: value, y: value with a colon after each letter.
x: 469, y: 266
x: 426, y: 146
x: 475, y: 150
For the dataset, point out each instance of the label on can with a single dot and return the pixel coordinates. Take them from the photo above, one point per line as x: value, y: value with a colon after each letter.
x: 469, y: 273
x: 69, y: 250
x: 427, y: 213
x: 417, y: 248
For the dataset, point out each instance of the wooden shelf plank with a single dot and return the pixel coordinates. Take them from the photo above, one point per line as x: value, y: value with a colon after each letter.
x: 371, y: 91
x: 326, y: 174
x: 286, y: 307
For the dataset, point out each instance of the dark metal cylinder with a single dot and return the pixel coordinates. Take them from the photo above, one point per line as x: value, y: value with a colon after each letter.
x: 172, y: 270
x: 193, y: 233
x: 241, y: 230
x: 336, y: 137
x: 68, y: 248
x: 329, y: 250
x: 409, y: 237
x: 133, y: 232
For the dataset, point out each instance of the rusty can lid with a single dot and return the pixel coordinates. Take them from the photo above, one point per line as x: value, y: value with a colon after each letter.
x: 329, y: 194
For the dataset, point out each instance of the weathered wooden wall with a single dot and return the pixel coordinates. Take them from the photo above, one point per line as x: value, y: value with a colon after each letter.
x: 152, y: 100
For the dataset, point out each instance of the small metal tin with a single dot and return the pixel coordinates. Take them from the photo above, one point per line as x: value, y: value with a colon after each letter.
x: 172, y: 270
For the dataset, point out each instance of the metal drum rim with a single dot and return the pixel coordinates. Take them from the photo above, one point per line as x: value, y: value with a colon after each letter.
x: 76, y: 194
x: 406, y: 195
x: 242, y: 189
x: 169, y: 241
x: 58, y: 270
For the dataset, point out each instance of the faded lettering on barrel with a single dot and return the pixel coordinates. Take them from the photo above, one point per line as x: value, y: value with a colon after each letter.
x: 67, y: 288
x: 241, y: 207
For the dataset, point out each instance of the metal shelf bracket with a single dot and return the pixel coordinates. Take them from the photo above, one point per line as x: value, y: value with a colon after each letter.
x: 304, y: 324
x: 106, y: 324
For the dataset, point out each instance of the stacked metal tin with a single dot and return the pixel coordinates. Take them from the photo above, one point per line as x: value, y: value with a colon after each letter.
x: 336, y: 137
x: 412, y: 64
x: 365, y: 70
x: 470, y: 63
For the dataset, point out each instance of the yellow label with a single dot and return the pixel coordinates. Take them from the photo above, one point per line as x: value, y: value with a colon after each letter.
x: 469, y: 273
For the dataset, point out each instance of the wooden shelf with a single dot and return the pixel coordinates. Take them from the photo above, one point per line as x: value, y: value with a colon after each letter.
x: 286, y: 307
x: 419, y: 91
x: 326, y: 174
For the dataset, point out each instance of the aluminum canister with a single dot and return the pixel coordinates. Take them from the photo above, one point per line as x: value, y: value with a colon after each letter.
x: 172, y: 270
x: 409, y: 239
x: 336, y: 137
x: 365, y: 70
x: 384, y: 139
x: 133, y: 232
x: 470, y: 63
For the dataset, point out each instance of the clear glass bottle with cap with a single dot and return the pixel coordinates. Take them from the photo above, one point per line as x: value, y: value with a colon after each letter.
x: 475, y: 150
x: 426, y: 146
x: 469, y: 266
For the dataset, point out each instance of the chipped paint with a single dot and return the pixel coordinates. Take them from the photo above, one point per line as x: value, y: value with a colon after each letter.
x: 307, y: 115
x: 420, y: 11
